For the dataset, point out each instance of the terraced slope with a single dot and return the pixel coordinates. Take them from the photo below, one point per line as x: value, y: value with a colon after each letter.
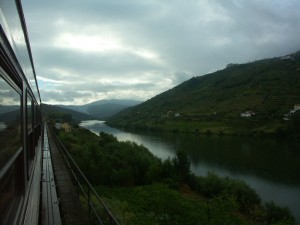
x: 268, y: 87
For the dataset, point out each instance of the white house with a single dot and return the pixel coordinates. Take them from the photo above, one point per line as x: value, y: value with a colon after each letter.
x: 247, y: 114
x: 297, y: 107
x: 58, y: 125
x: 291, y: 112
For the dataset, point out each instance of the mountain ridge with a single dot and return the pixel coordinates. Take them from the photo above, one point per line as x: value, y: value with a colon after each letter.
x: 103, y: 109
x: 267, y: 87
x: 54, y: 110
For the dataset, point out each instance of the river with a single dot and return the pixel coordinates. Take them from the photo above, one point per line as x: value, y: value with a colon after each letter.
x: 271, y: 167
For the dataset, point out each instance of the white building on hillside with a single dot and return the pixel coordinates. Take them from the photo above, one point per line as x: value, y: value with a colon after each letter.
x: 247, y: 114
x: 297, y: 107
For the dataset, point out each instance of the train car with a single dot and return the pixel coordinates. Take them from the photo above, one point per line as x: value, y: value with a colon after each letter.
x: 20, y: 121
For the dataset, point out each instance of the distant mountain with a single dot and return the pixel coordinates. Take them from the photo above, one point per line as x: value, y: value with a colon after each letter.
x: 77, y: 108
x: 103, y: 109
x: 50, y: 110
x: 8, y: 108
x: 124, y: 102
x: 9, y: 114
x: 214, y: 102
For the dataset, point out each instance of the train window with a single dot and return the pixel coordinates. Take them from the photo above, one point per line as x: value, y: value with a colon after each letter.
x: 11, y: 161
x: 30, y: 137
x: 34, y: 115
x: 10, y: 127
x: 29, y: 114
x: 36, y: 125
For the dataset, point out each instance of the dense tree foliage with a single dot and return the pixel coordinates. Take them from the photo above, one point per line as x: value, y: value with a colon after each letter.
x: 294, y: 124
x: 142, y: 189
x: 246, y: 197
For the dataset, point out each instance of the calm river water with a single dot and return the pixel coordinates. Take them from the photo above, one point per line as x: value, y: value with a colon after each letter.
x: 271, y: 167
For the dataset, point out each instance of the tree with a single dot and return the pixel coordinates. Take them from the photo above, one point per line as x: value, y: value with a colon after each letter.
x: 278, y: 215
x: 294, y: 123
x: 182, y: 166
x: 66, y: 117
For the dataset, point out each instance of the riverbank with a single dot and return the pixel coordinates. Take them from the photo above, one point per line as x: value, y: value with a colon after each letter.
x: 268, y: 165
x: 246, y: 127
x: 135, y: 171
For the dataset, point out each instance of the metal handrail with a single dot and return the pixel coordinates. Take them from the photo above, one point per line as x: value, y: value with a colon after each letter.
x: 75, y: 170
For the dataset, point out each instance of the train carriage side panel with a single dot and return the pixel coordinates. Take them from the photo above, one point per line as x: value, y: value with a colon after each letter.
x: 20, y: 121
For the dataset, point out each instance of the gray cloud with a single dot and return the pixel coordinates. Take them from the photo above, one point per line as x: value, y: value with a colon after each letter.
x: 84, y: 51
x: 63, y: 97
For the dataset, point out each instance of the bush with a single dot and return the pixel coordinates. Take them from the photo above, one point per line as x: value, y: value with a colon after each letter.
x: 278, y: 215
x: 246, y: 197
x: 107, y: 161
x: 210, y: 186
x: 213, y: 186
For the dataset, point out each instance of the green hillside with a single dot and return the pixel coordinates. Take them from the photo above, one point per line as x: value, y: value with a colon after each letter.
x: 56, y: 112
x: 213, y: 103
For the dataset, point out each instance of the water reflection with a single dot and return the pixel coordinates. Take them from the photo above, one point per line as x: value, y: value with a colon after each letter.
x: 271, y: 167
x: 153, y: 143
x: 271, y: 159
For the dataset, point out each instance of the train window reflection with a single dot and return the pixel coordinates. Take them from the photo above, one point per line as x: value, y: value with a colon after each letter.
x: 10, y: 128
x: 30, y: 144
x: 29, y: 114
x: 11, y: 190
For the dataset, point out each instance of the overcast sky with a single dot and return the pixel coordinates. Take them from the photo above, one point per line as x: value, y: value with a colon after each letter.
x: 87, y: 50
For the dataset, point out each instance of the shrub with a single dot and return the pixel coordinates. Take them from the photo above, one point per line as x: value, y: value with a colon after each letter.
x: 213, y: 186
x: 278, y: 215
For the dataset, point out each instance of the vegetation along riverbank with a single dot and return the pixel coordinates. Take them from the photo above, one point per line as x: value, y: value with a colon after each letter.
x: 142, y: 189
